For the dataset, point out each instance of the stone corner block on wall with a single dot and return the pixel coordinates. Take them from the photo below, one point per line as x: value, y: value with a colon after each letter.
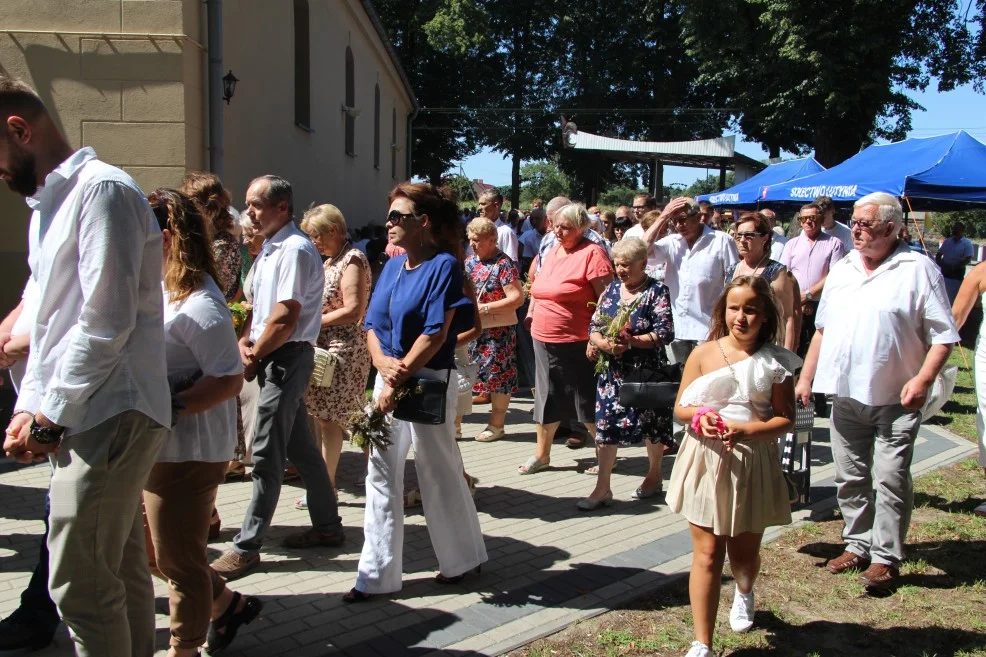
x: 150, y: 178
x: 124, y: 59
x: 137, y: 144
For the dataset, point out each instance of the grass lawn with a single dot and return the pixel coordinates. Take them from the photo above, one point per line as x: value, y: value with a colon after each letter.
x: 938, y: 609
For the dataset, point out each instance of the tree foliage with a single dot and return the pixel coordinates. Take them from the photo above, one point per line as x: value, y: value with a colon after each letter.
x: 803, y: 75
x: 794, y: 75
x: 708, y: 185
x: 974, y: 220
x: 544, y: 180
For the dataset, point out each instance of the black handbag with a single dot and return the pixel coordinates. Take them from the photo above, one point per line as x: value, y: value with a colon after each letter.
x: 647, y: 387
x: 425, y: 401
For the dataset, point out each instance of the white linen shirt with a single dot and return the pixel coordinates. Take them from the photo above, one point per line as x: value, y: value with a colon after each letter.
x: 841, y: 232
x: 199, y: 339
x: 777, y: 243
x: 695, y: 278
x: 506, y: 239
x: 25, y: 320
x: 878, y: 328
x: 288, y: 268
x: 97, y: 346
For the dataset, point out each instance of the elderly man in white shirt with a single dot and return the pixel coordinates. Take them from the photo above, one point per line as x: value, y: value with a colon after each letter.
x: 884, y: 329
x: 277, y: 347
x: 696, y: 259
x: 778, y: 239
x: 94, y: 398
x: 506, y: 239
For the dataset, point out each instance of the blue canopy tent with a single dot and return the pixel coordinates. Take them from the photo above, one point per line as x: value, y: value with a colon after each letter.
x: 932, y: 173
x: 747, y: 192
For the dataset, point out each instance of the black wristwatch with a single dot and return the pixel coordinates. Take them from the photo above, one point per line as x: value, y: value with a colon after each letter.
x: 46, y: 435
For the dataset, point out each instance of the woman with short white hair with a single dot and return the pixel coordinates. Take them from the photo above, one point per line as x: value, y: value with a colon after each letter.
x: 573, y: 275
x: 640, y: 347
x: 344, y: 303
x: 497, y: 283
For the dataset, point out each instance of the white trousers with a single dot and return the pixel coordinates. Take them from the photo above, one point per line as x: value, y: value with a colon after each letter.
x: 449, y: 510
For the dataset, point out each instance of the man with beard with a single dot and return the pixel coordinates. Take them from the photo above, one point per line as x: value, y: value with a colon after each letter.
x: 96, y: 374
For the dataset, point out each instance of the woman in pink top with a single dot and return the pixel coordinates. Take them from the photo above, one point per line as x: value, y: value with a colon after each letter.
x: 573, y: 275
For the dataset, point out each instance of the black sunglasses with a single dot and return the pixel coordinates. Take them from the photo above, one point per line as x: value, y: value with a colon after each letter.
x: 396, y: 217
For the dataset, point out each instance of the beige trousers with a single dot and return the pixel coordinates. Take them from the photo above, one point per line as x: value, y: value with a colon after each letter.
x: 99, y: 577
x: 178, y: 499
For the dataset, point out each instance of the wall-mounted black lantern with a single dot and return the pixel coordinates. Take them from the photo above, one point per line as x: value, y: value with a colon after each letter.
x: 229, y: 85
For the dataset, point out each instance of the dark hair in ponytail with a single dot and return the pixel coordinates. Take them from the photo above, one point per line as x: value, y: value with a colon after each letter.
x: 440, y: 205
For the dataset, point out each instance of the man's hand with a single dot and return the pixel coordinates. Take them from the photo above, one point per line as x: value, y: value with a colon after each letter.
x: 246, y: 352
x: 528, y: 322
x: 675, y: 206
x: 249, y: 359
x: 5, y: 361
x: 915, y: 393
x: 802, y: 392
x: 18, y: 443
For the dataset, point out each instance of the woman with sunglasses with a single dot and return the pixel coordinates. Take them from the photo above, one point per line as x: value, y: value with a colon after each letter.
x: 416, y: 313
x: 206, y: 374
x: 753, y: 236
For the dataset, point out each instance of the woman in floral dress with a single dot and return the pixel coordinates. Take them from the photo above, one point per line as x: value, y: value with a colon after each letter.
x: 650, y: 328
x: 494, y: 352
x: 346, y: 295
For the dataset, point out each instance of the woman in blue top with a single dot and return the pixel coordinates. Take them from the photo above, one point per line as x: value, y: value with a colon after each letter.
x: 417, y: 309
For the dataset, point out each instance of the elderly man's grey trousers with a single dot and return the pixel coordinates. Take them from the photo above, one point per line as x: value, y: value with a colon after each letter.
x: 872, y: 447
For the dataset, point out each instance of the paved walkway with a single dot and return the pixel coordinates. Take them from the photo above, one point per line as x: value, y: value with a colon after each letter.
x: 550, y: 565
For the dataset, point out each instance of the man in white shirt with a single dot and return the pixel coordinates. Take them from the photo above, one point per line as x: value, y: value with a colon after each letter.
x: 277, y: 347
x: 954, y: 254
x: 830, y: 226
x: 884, y: 330
x: 94, y: 399
x: 778, y: 239
x: 696, y: 259
x: 550, y: 239
x: 506, y: 239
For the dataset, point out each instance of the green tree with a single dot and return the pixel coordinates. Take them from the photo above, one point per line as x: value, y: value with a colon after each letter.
x: 708, y: 185
x: 974, y: 220
x: 462, y: 187
x: 501, y: 45
x: 803, y: 75
x: 440, y: 79
x: 543, y: 180
x: 625, y: 72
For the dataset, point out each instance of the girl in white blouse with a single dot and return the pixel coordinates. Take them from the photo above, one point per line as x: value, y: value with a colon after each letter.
x: 205, y: 374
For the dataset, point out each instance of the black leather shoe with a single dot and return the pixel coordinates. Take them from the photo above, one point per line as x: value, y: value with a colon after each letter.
x: 21, y: 630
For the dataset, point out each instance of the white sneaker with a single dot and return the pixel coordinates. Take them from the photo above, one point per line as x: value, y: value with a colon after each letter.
x: 741, y: 615
x: 699, y: 650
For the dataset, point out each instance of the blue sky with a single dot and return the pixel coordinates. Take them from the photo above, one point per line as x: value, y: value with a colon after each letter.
x: 962, y: 109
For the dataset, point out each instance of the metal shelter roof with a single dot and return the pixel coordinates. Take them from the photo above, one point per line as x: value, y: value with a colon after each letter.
x: 703, y: 153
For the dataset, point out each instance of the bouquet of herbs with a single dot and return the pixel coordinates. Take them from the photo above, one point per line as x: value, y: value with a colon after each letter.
x: 240, y: 314
x: 615, y: 326
x: 370, y: 428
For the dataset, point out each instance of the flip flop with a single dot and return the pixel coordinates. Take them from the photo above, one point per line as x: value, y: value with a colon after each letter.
x: 490, y: 434
x: 533, y: 465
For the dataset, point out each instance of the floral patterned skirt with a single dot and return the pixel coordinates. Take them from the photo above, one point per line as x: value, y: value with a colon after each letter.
x: 494, y: 353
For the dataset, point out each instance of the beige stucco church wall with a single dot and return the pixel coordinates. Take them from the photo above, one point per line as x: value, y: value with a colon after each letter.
x: 141, y: 102
x: 261, y: 135
x: 128, y: 97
